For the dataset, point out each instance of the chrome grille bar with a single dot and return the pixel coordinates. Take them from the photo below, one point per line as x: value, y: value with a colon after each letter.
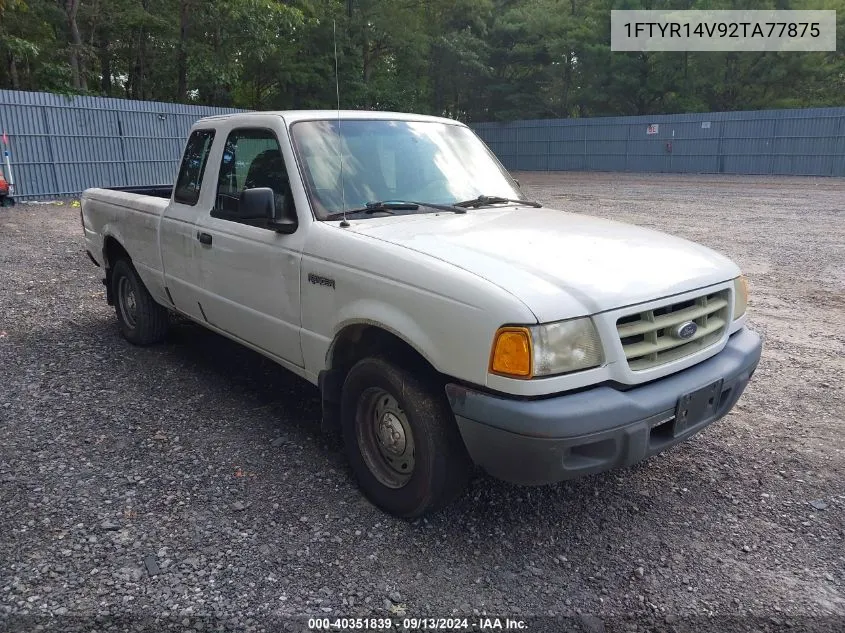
x: 648, y: 339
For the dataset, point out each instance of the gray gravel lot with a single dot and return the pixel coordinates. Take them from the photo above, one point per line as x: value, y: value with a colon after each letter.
x: 189, y: 481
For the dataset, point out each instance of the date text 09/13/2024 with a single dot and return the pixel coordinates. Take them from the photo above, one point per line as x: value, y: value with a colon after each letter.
x: 417, y: 624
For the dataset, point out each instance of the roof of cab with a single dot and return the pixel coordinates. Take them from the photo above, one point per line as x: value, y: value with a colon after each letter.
x: 291, y: 116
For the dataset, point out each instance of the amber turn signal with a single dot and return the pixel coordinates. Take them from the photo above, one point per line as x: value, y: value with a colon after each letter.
x: 512, y: 353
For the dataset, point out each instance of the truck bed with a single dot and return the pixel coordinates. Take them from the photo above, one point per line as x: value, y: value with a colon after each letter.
x: 131, y: 215
x: 157, y: 191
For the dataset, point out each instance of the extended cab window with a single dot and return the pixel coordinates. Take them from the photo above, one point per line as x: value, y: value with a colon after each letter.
x: 252, y: 158
x: 189, y: 181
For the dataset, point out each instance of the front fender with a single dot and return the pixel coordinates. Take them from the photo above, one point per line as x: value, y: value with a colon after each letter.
x: 391, y: 319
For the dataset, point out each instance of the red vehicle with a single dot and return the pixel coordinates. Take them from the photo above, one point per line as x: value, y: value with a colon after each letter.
x: 5, y: 199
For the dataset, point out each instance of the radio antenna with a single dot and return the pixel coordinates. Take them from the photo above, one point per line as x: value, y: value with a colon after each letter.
x: 344, y: 222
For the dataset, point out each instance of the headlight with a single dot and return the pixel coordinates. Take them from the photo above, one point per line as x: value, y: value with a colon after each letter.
x: 546, y: 350
x: 740, y: 296
x: 566, y: 346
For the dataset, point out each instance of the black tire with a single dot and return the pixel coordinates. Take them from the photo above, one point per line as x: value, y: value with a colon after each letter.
x: 147, y: 322
x: 440, y: 464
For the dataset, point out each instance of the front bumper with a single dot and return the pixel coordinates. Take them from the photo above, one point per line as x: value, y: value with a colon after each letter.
x: 534, y: 442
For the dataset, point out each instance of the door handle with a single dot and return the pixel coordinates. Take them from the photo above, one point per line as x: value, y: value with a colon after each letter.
x: 204, y: 238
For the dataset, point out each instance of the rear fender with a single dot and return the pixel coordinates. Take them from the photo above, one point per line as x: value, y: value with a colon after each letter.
x: 152, y: 279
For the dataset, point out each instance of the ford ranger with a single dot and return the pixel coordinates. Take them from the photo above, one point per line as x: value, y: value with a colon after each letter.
x: 448, y: 321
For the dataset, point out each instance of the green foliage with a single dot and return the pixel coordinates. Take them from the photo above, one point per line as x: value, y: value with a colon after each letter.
x: 468, y: 59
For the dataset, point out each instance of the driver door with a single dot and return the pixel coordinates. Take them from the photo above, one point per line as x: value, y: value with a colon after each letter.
x: 249, y: 272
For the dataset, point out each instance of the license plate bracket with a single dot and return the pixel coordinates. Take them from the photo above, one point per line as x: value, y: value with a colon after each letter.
x: 696, y: 406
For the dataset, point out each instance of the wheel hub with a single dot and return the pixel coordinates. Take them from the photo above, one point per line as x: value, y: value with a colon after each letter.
x: 128, y: 301
x: 391, y: 434
x: 385, y: 438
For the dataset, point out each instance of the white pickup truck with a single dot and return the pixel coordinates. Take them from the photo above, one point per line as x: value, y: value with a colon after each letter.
x: 448, y: 321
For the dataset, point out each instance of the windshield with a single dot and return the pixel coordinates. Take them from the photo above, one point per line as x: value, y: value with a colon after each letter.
x: 386, y: 160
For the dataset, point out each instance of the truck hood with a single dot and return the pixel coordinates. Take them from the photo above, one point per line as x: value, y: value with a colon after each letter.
x: 559, y: 264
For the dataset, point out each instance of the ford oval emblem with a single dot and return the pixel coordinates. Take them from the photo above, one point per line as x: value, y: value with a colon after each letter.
x: 686, y: 330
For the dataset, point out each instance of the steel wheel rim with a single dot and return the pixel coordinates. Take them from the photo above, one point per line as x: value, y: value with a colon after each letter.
x: 127, y: 301
x: 385, y: 439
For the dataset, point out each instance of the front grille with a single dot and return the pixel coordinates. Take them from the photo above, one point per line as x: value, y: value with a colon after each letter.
x: 648, y: 337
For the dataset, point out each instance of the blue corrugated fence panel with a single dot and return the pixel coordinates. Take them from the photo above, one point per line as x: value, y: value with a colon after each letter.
x: 62, y: 145
x: 802, y: 142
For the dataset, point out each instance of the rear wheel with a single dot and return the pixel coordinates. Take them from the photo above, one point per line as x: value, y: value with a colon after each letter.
x: 142, y: 320
x: 401, y: 439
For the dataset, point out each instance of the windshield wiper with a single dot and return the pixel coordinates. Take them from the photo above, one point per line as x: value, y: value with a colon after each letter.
x: 378, y: 206
x: 442, y: 207
x: 483, y: 200
x: 389, y: 206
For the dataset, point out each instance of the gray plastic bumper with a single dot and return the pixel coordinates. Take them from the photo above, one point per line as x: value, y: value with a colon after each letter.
x: 568, y: 436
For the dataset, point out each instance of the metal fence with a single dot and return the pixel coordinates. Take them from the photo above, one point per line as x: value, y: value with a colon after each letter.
x: 786, y: 142
x: 62, y: 145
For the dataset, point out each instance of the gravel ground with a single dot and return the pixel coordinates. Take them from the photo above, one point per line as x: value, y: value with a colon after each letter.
x: 189, y: 482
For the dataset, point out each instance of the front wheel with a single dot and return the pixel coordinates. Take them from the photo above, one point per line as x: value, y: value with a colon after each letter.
x: 401, y: 439
x: 142, y: 320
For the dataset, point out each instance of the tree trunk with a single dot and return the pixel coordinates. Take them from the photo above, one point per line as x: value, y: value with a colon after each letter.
x: 77, y: 64
x: 365, y: 56
x: 182, y: 61
x: 140, y: 66
x: 435, y: 70
x: 258, y: 98
x: 104, y: 54
x: 93, y: 24
x: 216, y: 89
x: 13, y: 73
x: 137, y: 75
x: 567, y: 87
x: 140, y: 80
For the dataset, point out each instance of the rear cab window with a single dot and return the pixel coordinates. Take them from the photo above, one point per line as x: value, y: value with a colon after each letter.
x: 189, y: 180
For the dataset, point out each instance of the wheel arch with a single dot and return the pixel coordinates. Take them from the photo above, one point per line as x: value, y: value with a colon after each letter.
x: 358, y: 339
x: 113, y: 250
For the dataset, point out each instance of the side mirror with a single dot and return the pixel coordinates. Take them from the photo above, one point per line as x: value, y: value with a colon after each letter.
x: 260, y: 204
x: 257, y: 204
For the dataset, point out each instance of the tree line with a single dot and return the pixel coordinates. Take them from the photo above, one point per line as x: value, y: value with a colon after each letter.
x: 475, y: 60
